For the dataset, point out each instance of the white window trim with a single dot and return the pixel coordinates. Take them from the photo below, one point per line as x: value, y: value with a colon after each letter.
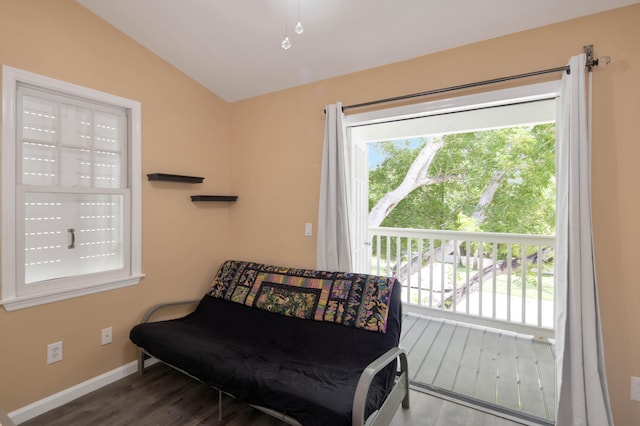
x: 530, y: 92
x: 9, y: 298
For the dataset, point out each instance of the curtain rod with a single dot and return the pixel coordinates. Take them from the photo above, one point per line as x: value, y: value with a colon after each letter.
x: 459, y: 87
x: 591, y: 61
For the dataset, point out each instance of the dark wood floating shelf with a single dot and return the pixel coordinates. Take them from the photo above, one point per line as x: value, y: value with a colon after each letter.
x: 175, y: 178
x: 214, y: 197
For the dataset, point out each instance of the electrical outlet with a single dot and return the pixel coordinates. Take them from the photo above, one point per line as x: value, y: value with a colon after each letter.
x: 107, y: 335
x: 54, y: 352
x: 635, y: 388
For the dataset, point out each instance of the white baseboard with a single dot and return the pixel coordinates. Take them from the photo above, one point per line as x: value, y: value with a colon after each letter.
x: 56, y: 400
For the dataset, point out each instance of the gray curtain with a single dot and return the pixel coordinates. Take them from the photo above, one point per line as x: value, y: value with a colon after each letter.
x: 333, y: 246
x: 582, y: 395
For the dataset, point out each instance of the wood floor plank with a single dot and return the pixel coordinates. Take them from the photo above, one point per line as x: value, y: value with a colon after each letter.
x: 418, y: 353
x: 507, y: 386
x: 485, y: 383
x: 545, y: 357
x: 408, y: 321
x: 162, y: 396
x: 530, y: 393
x: 447, y: 372
x: 435, y: 358
x: 481, y: 419
x: 464, y: 382
x: 412, y: 336
x: 499, y: 421
x: 451, y: 413
x: 423, y: 411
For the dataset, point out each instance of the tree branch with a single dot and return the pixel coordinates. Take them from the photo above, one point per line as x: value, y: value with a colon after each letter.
x: 416, y: 176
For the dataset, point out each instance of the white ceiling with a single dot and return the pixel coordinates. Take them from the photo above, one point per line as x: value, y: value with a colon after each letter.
x: 232, y: 47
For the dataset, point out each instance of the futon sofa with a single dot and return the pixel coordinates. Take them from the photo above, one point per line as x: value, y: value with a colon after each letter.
x: 309, y: 347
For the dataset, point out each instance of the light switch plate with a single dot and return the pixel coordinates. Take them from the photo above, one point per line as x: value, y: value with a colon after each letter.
x: 635, y: 388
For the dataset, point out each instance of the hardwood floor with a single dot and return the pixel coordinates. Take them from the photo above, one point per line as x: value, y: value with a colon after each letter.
x: 164, y: 397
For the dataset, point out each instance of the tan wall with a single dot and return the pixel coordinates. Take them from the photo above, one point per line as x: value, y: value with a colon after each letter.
x: 277, y: 148
x: 185, y: 130
x: 275, y: 144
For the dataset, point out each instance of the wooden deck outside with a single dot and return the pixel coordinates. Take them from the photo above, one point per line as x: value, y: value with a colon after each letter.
x: 483, y: 365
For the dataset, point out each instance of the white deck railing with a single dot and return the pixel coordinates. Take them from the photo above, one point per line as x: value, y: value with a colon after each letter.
x: 496, y: 279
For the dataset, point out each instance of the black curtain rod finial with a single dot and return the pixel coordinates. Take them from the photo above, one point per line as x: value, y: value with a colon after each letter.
x: 592, y: 61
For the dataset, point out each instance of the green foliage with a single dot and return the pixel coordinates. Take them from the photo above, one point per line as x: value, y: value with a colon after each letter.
x: 530, y: 279
x: 468, y: 224
x: 524, y: 157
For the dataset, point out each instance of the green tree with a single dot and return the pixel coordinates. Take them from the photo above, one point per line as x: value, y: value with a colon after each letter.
x: 503, y: 180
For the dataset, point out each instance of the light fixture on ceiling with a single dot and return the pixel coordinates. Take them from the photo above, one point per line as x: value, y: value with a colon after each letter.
x: 286, y: 43
x: 299, y: 29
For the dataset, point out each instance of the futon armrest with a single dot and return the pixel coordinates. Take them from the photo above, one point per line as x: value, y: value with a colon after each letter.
x: 156, y: 308
x: 400, y: 389
x: 147, y: 316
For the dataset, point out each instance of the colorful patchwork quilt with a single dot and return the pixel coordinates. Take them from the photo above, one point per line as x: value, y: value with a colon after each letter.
x: 354, y: 300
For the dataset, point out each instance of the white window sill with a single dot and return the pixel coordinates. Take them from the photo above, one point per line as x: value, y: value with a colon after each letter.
x: 22, y: 302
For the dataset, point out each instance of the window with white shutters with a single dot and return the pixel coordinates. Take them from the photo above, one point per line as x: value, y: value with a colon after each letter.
x: 75, y: 187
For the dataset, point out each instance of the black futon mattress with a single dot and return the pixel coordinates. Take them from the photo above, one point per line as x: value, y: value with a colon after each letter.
x: 306, y: 369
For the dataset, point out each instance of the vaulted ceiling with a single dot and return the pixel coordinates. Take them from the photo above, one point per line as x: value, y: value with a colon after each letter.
x: 233, y: 47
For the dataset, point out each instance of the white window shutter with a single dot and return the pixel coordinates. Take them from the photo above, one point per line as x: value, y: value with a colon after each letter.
x: 71, y: 166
